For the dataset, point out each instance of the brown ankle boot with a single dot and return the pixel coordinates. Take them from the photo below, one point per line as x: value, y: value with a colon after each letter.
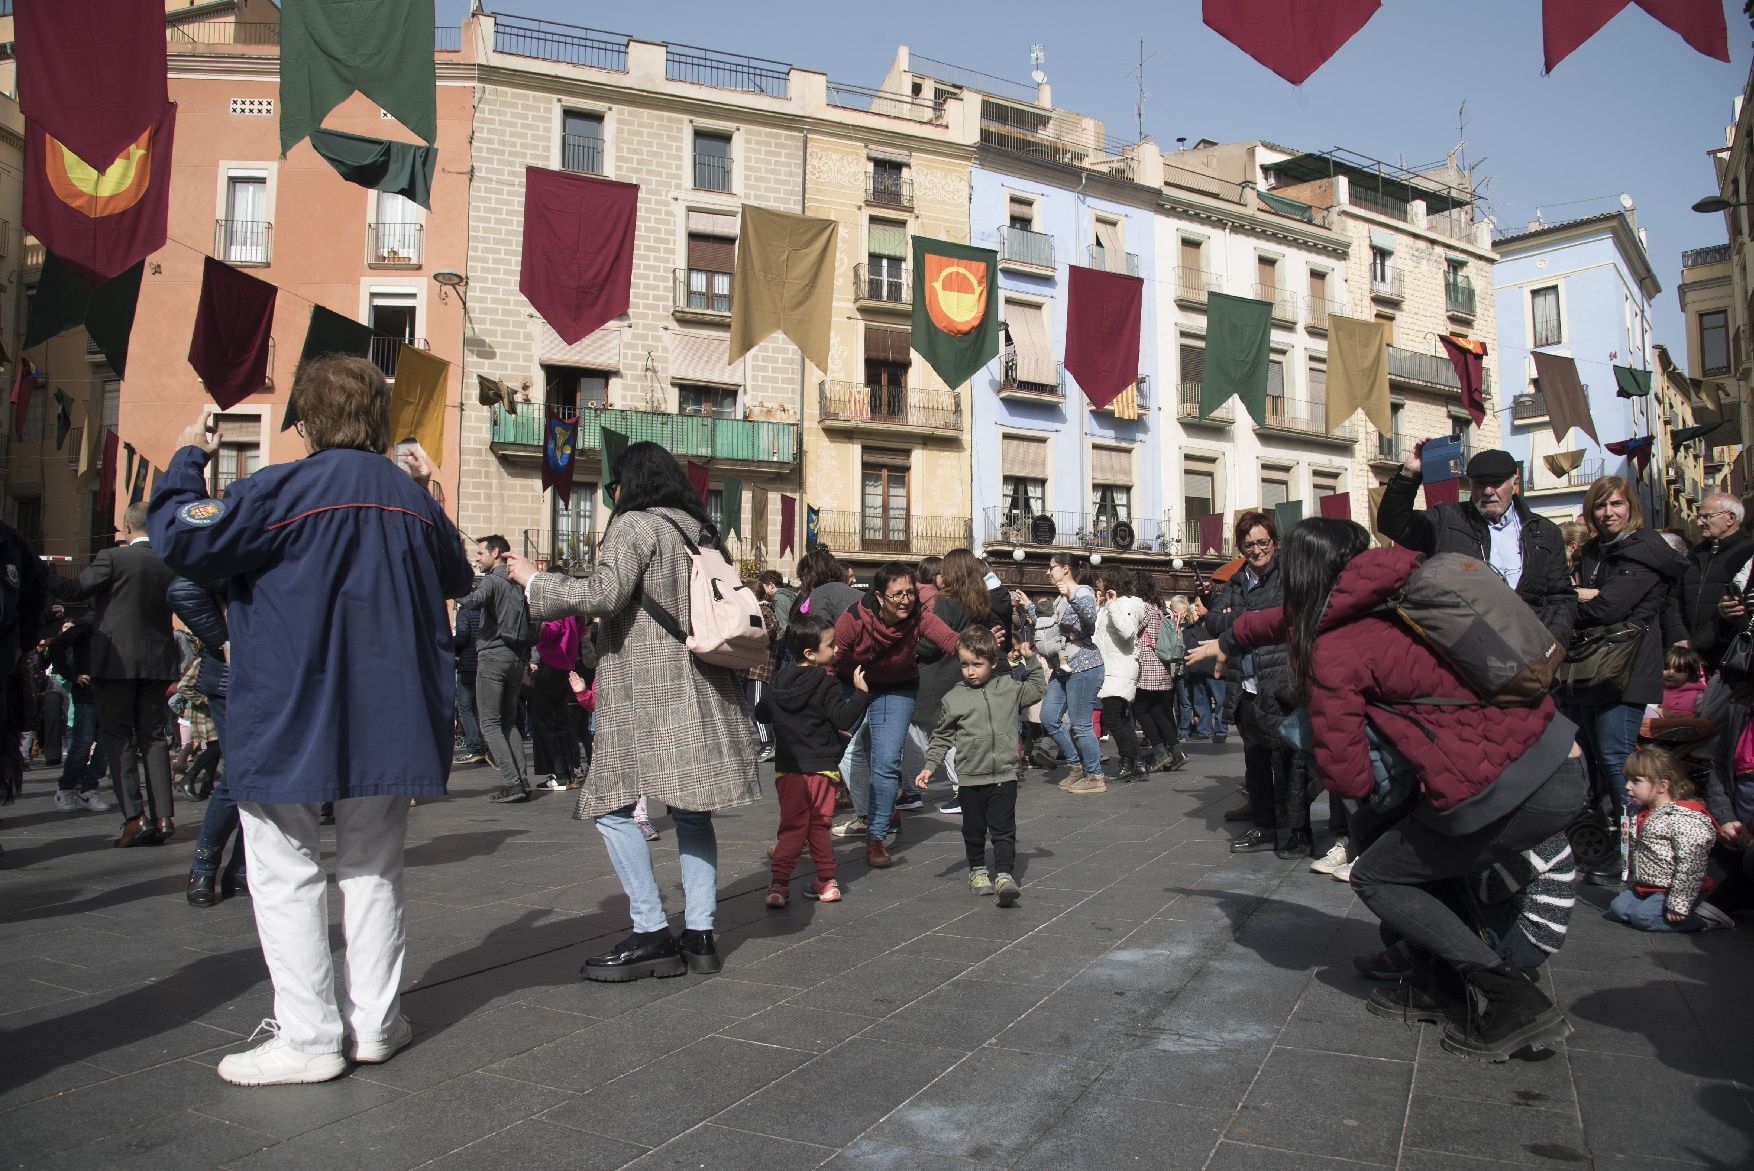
x: 877, y: 855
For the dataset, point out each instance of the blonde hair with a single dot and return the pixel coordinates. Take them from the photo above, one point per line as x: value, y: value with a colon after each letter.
x: 1659, y: 764
x: 1574, y: 533
x: 1602, y: 489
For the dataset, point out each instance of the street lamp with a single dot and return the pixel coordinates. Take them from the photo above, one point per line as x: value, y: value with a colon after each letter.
x: 449, y: 279
x: 1716, y: 203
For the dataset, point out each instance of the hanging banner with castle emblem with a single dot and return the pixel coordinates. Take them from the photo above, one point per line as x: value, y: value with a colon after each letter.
x: 100, y: 215
x: 956, y: 309
x: 559, y: 439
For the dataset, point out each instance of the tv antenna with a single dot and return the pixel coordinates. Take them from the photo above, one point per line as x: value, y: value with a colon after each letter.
x: 1139, y: 76
x: 1037, y: 58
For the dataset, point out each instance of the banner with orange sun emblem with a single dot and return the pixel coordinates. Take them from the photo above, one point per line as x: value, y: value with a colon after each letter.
x: 100, y: 217
x: 956, y: 312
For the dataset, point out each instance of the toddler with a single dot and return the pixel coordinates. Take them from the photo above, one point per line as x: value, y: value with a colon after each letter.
x: 1672, y: 838
x: 979, y: 720
x: 1683, y: 681
x: 804, y: 706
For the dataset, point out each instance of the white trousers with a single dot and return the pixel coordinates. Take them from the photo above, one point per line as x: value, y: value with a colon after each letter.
x: 290, y: 894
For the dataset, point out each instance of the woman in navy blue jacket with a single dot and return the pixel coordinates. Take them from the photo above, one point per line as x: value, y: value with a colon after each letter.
x: 338, y: 566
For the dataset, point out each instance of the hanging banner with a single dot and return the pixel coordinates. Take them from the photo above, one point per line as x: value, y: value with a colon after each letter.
x: 1468, y: 356
x: 92, y: 74
x: 382, y: 48
x: 100, y: 216
x: 577, y: 266
x: 328, y: 333
x: 1102, y: 332
x: 400, y: 168
x: 700, y: 479
x: 417, y: 400
x: 1337, y: 506
x: 1293, y: 38
x: 1567, y: 24
x: 559, y: 441
x: 788, y: 523
x: 956, y: 308
x: 783, y: 280
x: 1238, y: 337
x: 731, y: 513
x: 234, y: 324
x: 613, y: 444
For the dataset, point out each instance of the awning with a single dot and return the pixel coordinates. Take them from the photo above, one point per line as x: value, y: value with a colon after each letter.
x: 1111, y: 465
x: 1027, y: 459
x: 1382, y: 239
x: 699, y: 359
x: 596, y: 351
x: 885, y: 154
x: 1295, y: 208
x: 888, y: 240
x: 1035, y: 352
x: 712, y: 223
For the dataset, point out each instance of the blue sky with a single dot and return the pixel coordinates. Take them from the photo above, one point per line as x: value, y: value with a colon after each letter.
x: 1634, y: 110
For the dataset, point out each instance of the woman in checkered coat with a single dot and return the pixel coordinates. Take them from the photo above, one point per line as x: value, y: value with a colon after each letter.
x: 669, y: 727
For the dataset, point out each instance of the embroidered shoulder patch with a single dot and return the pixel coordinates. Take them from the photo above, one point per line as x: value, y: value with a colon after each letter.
x: 201, y: 513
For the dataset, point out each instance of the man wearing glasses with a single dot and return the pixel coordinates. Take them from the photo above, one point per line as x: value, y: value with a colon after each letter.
x: 1711, y: 606
x: 1494, y: 525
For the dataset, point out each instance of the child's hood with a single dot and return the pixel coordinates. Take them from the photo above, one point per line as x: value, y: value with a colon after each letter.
x: 795, y: 686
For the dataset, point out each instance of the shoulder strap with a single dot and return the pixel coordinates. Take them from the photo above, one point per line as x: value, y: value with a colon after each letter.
x: 693, y: 549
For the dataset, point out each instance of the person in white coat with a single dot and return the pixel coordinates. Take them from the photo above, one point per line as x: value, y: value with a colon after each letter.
x: 1119, y: 620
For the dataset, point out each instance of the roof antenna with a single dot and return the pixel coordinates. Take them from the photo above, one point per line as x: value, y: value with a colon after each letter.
x: 1139, y: 76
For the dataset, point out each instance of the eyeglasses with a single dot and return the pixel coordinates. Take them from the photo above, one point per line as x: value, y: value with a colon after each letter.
x: 904, y: 596
x: 612, y: 487
x: 1266, y: 544
x: 1709, y: 515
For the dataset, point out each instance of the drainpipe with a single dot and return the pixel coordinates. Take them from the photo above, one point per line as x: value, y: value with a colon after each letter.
x: 803, y: 362
x: 1080, y: 206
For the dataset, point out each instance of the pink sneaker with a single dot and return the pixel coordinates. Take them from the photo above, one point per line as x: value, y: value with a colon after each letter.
x: 778, y: 896
x: 829, y: 892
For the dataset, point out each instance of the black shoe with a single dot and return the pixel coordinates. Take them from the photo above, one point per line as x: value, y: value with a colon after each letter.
x: 326, y: 815
x: 698, y: 949
x: 644, y: 953
x: 1218, y: 739
x: 1255, y: 840
x: 1390, y: 964
x: 511, y: 793
x: 231, y: 887
x: 1297, y: 845
x: 1506, y: 1013
x: 201, y: 892
x: 1130, y: 772
x: 1603, y: 876
x: 911, y: 803
x: 1431, y: 994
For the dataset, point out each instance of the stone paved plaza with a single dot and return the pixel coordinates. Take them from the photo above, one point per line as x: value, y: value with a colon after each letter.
x: 1153, y: 1002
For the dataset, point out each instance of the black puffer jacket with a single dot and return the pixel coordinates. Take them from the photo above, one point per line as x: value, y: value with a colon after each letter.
x: 1716, y: 563
x: 1635, y: 574
x: 806, y: 707
x: 1459, y: 528
x: 202, y: 609
x: 1269, y: 666
x: 939, y: 672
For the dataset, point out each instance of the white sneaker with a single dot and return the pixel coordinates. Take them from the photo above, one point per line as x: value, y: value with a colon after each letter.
x: 1342, y: 873
x: 66, y: 801
x: 1331, y: 861
x: 1715, y: 918
x: 852, y: 827
x: 276, y: 1063
x: 378, y: 1052
x: 555, y: 784
x: 94, y: 801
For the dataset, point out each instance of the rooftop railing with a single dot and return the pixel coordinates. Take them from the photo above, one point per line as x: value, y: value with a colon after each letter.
x: 733, y: 71
x: 552, y: 40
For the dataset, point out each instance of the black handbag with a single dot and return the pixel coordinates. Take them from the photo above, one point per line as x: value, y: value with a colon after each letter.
x: 1737, y: 663
x: 1601, y: 660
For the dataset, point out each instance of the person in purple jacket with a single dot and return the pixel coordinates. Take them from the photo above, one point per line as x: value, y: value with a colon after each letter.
x: 337, y: 569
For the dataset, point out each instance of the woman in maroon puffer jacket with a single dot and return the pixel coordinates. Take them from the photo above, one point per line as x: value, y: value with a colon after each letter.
x: 1493, y: 781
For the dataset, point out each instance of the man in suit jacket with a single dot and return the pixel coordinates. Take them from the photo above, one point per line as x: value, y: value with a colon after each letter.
x: 133, y: 661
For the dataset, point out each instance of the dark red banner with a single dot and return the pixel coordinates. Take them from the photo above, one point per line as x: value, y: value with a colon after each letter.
x: 578, y: 249
x: 1102, y: 332
x: 100, y: 218
x: 91, y: 73
x: 234, y: 321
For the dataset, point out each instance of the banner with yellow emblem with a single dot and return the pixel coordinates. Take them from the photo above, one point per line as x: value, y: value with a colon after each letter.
x: 956, y: 308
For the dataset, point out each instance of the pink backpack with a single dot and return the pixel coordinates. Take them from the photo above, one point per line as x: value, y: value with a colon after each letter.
x: 725, y: 627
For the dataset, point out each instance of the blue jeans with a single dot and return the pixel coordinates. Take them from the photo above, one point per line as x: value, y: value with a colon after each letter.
x: 875, y: 749
x: 82, y: 765
x: 1209, y: 699
x: 1645, y: 912
x: 220, y: 821
x: 466, y: 715
x: 632, y: 859
x: 1074, y: 694
x: 1608, y: 733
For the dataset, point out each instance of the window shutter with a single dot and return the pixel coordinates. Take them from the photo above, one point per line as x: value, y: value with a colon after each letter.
x: 712, y: 223
x: 888, y: 240
x: 240, y: 429
x: 1022, y: 209
x: 1275, y: 380
x: 1193, y: 363
x: 1190, y: 256
x: 1318, y: 286
x: 888, y: 345
x: 1108, y: 236
x: 1024, y: 458
x: 712, y: 253
x: 1111, y: 465
x: 1035, y: 351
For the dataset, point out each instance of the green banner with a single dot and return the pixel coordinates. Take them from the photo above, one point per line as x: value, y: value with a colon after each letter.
x: 956, y: 308
x: 1238, y: 333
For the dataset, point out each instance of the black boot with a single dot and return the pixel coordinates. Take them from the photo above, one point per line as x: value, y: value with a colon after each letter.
x: 1130, y: 771
x: 201, y: 892
x: 1431, y: 994
x: 1506, y: 1013
x: 1297, y: 845
x: 234, y: 884
x: 644, y: 953
x: 700, y: 952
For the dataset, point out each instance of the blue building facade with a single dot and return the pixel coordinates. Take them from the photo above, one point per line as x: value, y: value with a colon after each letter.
x: 1581, y: 288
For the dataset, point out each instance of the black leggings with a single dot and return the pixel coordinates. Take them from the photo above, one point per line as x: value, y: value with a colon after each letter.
x: 1117, y: 721
x: 1156, y: 711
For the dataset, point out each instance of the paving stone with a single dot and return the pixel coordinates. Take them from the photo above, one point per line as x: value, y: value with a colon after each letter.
x: 601, y: 1052
x: 1511, y: 1134
x: 1364, y: 1123
x: 450, y: 1052
x: 725, y: 1149
x: 866, y: 1155
x: 863, y: 1079
x: 880, y: 986
x: 1237, y: 1156
x: 1663, y: 1110
x: 962, y: 1014
x: 1103, y: 1132
x: 176, y: 1141
x: 990, y: 1108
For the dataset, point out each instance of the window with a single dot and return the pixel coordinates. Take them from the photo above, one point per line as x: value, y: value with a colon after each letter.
x: 392, y: 319
x: 581, y: 143
x: 1191, y: 257
x: 1275, y: 488
x: 28, y: 520
x: 1387, y: 321
x: 1544, y: 309
x: 886, y: 183
x: 1021, y: 214
x: 1193, y: 372
x: 1318, y: 289
x: 240, y: 451
x: 33, y: 417
x: 883, y: 515
x: 1318, y: 394
x: 244, y: 231
x: 886, y: 377
x: 1199, y: 496
x: 570, y: 389
x: 1379, y: 267
x: 1024, y: 484
x: 575, y: 525
x: 1108, y: 253
x: 1266, y: 278
x: 886, y: 271
x: 1024, y: 497
x: 712, y: 161
x: 718, y: 401
x: 712, y: 257
x: 1276, y: 389
x: 1714, y: 342
x: 715, y: 507
x: 1111, y: 488
x: 396, y: 230
x: 1325, y: 482
x: 1389, y: 446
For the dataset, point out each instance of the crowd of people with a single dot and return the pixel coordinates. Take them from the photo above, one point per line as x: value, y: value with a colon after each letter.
x: 1464, y: 820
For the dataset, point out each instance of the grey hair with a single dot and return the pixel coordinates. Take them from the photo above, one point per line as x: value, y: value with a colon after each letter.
x: 1727, y: 502
x: 1676, y: 542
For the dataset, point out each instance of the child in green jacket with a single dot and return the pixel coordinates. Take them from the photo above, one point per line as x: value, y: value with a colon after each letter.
x: 979, y: 718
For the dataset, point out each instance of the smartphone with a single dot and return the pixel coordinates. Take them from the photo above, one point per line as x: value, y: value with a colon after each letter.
x: 1441, y: 459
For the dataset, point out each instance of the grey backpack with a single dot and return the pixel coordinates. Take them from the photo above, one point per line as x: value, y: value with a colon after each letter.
x: 1486, y: 633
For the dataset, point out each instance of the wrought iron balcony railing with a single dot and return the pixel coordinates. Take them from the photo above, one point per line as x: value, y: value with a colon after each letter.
x: 1283, y: 303
x: 1022, y: 246
x: 1302, y: 418
x: 1192, y: 287
x: 889, y: 406
x: 889, y: 190
x: 1101, y: 258
x: 1011, y: 385
x: 1188, y: 407
x: 1108, y: 529
x: 726, y: 440
x: 1387, y: 286
x: 1458, y: 295
x: 581, y: 153
x: 393, y: 245
x: 899, y: 533
x: 883, y: 286
x: 243, y: 242
x: 387, y: 351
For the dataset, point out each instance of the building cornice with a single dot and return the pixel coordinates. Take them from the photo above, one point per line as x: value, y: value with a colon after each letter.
x: 1065, y: 175
x: 1286, y: 232
x: 1612, y: 224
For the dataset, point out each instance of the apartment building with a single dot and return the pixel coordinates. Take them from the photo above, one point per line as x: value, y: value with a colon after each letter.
x: 1717, y: 295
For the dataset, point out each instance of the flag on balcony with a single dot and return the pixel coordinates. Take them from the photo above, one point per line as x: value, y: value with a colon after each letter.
x: 23, y: 386
x: 491, y: 392
x: 137, y: 484
x: 611, y: 445
x: 328, y: 333
x: 234, y: 326
x: 1631, y: 383
x: 1286, y: 514
x: 91, y: 73
x: 783, y: 280
x: 731, y: 512
x: 417, y: 400
x: 1358, y: 373
x: 700, y: 478
x: 758, y: 501
x: 382, y: 48
x: 1238, y: 331
x: 788, y: 523
x: 1637, y: 449
x: 1125, y: 405
x: 1102, y: 333
x: 63, y: 301
x: 1689, y: 434
x: 1468, y: 356
x: 1567, y: 24
x: 107, y: 472
x: 1293, y: 38
x: 63, y: 418
x: 1211, y: 534
x: 404, y: 168
x: 1336, y: 506
x: 1568, y: 404
x: 100, y: 215
x: 578, y: 249
x: 956, y: 315
x: 1443, y: 492
x: 812, y: 527
x: 560, y: 445
x: 1562, y: 463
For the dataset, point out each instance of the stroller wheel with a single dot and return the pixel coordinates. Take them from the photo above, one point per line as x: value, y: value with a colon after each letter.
x: 1592, y: 844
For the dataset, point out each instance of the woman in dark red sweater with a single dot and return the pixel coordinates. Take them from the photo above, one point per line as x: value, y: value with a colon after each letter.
x: 1493, y: 781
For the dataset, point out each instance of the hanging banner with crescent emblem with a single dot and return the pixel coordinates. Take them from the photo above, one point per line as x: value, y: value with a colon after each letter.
x: 91, y: 73
x: 956, y: 308
x: 559, y: 437
x: 100, y: 216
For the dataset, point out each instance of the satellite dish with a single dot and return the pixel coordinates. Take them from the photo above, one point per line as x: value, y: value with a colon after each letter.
x: 1037, y: 76
x: 1626, y: 201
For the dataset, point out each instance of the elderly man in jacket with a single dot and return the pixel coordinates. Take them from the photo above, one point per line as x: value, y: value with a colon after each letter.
x: 1495, y: 526
x: 1721, y: 553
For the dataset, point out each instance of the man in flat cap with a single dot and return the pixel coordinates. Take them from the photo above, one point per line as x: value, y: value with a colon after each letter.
x: 1494, y: 525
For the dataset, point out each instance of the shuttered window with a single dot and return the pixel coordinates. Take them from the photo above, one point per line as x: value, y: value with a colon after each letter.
x: 1111, y: 465
x: 1190, y: 256
x: 1318, y: 287
x: 1035, y: 351
x: 1024, y: 458
x: 1021, y: 214
x: 1318, y: 392
x: 712, y: 253
x: 1275, y: 379
x: 887, y: 345
x: 888, y: 240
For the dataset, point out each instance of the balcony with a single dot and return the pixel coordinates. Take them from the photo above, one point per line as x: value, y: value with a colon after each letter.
x: 1306, y: 421
x: 567, y: 44
x: 1100, y: 260
x: 34, y: 252
x: 1190, y: 540
x: 1457, y: 225
x: 849, y: 406
x: 1027, y: 250
x: 1188, y: 408
x: 1387, y: 286
x: 387, y: 351
x: 581, y: 153
x: 712, y: 172
x: 1700, y: 257
x: 393, y: 245
x: 1013, y: 387
x: 194, y: 36
x: 1284, y: 305
x: 700, y: 303
x: 1384, y: 205
x: 560, y: 550
x: 762, y: 445
x: 732, y: 71
x: 885, y: 289
x: 1423, y: 370
x: 1458, y: 296
x: 1388, y: 450
x: 1317, y: 310
x: 889, y: 190
x: 1075, y: 530
x: 1141, y: 393
x: 245, y: 243
x: 903, y: 536
x: 1191, y: 288
x: 1526, y: 408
